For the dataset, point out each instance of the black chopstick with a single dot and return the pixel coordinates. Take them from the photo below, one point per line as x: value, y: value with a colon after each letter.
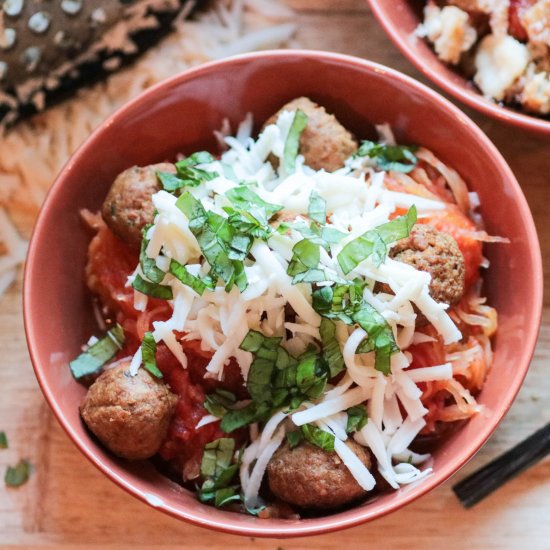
x: 478, y: 485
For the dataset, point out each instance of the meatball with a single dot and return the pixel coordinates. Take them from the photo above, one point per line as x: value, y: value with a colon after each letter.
x: 324, y: 143
x: 309, y: 477
x: 437, y: 253
x: 128, y: 208
x: 130, y: 415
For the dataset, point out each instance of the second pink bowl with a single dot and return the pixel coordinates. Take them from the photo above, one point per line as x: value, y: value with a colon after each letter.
x: 400, y: 18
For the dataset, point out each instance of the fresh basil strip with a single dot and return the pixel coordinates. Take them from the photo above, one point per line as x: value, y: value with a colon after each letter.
x: 219, y: 469
x: 182, y: 274
x: 244, y: 198
x: 219, y: 402
x: 400, y: 158
x: 331, y: 348
x: 294, y: 438
x: 148, y: 265
x: 250, y: 214
x: 16, y: 476
x: 220, y: 243
x: 91, y: 360
x: 163, y: 292
x: 399, y: 227
x: 321, y: 235
x: 148, y: 351
x: 238, y: 418
x: 217, y: 456
x: 193, y: 210
x: 225, y: 496
x: 188, y: 172
x: 305, y: 255
x: 345, y: 303
x: 317, y: 209
x: 357, y: 418
x: 253, y: 341
x: 292, y: 143
x: 374, y: 242
x: 318, y: 437
x: 3, y: 440
x: 318, y: 275
x: 276, y: 380
x: 170, y: 182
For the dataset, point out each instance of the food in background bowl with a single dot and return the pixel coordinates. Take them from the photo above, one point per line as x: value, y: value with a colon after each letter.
x: 302, y: 309
x: 504, y: 46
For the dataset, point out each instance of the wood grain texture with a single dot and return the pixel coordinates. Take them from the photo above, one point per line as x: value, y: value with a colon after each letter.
x: 69, y: 504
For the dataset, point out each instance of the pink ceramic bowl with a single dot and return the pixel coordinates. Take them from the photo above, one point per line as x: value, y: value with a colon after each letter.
x: 179, y: 115
x: 399, y: 18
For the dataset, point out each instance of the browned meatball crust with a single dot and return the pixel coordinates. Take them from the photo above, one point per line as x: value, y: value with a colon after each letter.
x: 128, y: 208
x: 437, y: 253
x: 130, y: 415
x: 324, y: 143
x: 309, y: 477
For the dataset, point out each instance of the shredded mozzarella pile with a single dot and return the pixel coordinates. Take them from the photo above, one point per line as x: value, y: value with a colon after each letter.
x: 356, y: 201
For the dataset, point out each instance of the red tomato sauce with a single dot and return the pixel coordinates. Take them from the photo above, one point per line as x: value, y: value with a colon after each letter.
x: 110, y: 262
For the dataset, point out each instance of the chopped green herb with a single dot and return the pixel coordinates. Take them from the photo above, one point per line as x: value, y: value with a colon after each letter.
x: 292, y: 143
x: 193, y: 210
x: 18, y: 475
x: 219, y: 469
x: 379, y: 336
x: 91, y: 360
x: 399, y: 227
x: 182, y: 274
x: 219, y: 402
x: 244, y: 198
x: 217, y: 456
x: 317, y: 209
x: 345, y: 303
x: 148, y: 351
x: 311, y: 375
x: 254, y: 340
x: 331, y: 348
x: 305, y: 256
x: 219, y: 241
x: 3, y: 440
x: 317, y: 275
x: 318, y: 437
x: 148, y: 265
x: 399, y: 158
x: 294, y: 438
x: 187, y: 174
x: 225, y: 496
x: 250, y: 215
x: 163, y: 292
x: 374, y: 242
x: 238, y: 418
x: 276, y: 380
x: 321, y: 235
x: 331, y: 235
x: 170, y: 182
x: 357, y: 418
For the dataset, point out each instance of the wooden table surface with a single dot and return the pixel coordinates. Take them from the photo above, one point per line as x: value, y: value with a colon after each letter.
x: 69, y: 504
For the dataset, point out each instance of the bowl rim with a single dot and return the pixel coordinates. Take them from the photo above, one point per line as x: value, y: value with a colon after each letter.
x: 472, y: 99
x: 286, y: 528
